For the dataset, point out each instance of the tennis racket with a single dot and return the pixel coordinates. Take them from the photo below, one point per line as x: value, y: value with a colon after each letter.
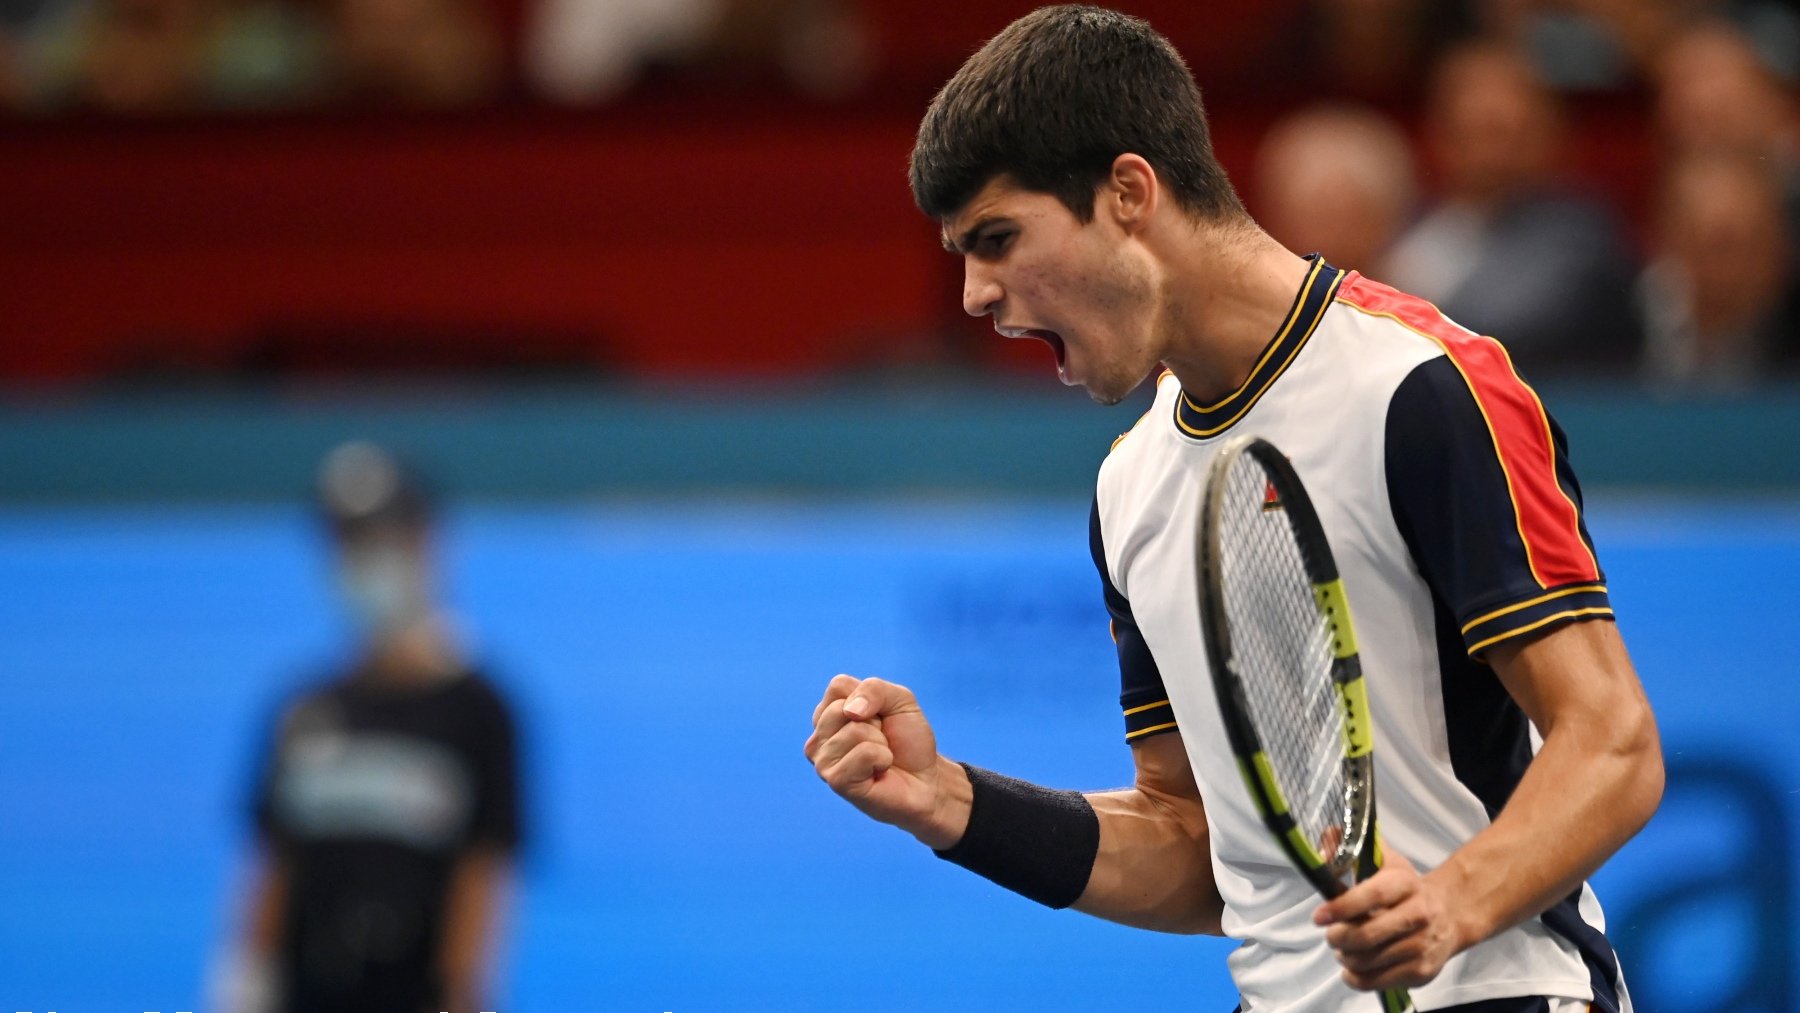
x: 1286, y: 671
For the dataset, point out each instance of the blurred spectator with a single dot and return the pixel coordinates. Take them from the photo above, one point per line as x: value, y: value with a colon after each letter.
x: 582, y: 51
x: 420, y: 53
x: 1716, y: 93
x: 1581, y: 44
x: 164, y: 56
x: 588, y: 51
x: 1719, y: 95
x: 1770, y: 27
x: 16, y: 19
x: 1714, y: 299
x: 819, y: 47
x: 1369, y: 50
x: 388, y: 805
x: 1338, y: 180
x: 175, y: 56
x: 1606, y: 44
x: 1506, y: 251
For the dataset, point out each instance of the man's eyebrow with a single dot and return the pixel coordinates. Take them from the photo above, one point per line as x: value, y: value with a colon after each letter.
x: 966, y: 242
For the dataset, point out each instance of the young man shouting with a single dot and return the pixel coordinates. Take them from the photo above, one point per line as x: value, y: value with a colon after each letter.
x: 1070, y: 165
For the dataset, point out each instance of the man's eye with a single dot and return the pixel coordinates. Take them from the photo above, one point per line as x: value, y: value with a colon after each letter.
x: 994, y: 242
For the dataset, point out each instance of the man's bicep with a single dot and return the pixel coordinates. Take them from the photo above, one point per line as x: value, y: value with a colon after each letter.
x: 1154, y: 866
x: 1165, y: 773
x: 1537, y: 672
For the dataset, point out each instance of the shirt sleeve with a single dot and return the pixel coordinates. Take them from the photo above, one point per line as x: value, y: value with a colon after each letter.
x: 496, y: 821
x: 1141, y: 693
x: 1482, y: 491
x: 265, y: 817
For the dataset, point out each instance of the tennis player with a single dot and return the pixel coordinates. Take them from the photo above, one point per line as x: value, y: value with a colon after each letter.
x: 1069, y: 164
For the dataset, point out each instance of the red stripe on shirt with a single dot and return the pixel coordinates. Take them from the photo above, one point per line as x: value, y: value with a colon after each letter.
x: 1549, y: 523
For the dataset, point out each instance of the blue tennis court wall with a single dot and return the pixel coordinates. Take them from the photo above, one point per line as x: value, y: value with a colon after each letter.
x: 666, y: 655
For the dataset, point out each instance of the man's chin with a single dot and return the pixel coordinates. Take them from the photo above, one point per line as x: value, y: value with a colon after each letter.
x: 1111, y: 392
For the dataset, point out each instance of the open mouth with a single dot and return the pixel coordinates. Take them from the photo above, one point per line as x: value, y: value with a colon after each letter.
x: 1051, y: 338
x: 1055, y: 341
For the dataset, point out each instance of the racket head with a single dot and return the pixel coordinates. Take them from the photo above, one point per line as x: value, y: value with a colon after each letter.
x: 1282, y: 650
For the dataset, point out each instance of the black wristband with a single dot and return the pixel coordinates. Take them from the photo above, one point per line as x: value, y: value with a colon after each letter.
x: 1035, y: 841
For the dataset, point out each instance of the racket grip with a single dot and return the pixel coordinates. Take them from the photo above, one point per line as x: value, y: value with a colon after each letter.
x: 1393, y: 1000
x: 1368, y: 863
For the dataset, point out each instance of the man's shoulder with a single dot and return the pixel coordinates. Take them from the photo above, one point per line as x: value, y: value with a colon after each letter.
x: 323, y: 685
x: 1383, y: 305
x: 477, y: 690
x: 1419, y: 331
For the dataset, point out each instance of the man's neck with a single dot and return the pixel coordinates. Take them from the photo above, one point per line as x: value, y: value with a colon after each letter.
x: 421, y: 652
x: 1228, y: 292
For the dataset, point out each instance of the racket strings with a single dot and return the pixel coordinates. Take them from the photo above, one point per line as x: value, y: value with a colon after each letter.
x: 1283, y: 651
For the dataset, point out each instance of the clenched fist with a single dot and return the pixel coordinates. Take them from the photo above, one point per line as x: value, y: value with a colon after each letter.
x: 871, y: 743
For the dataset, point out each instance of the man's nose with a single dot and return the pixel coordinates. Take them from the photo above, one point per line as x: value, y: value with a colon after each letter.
x: 981, y: 293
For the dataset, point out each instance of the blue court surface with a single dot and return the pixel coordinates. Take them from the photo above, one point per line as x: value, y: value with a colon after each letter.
x: 665, y: 659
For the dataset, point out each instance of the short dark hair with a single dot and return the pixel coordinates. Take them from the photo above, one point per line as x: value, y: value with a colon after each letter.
x: 1052, y: 100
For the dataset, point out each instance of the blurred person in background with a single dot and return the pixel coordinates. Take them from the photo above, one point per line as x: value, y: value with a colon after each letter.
x: 1378, y: 51
x: 1581, y: 45
x: 182, y: 56
x: 1586, y: 45
x: 1506, y: 250
x: 819, y: 48
x: 16, y: 19
x: 1716, y: 92
x: 150, y: 57
x: 1338, y: 180
x: 1715, y: 299
x: 415, y: 53
x: 388, y: 802
x: 588, y: 51
x: 1720, y: 93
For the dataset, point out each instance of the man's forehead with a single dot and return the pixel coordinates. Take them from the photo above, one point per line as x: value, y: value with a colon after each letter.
x: 994, y: 200
x: 996, y: 191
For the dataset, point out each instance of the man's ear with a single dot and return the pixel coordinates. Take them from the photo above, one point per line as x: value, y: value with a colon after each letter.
x: 1131, y: 193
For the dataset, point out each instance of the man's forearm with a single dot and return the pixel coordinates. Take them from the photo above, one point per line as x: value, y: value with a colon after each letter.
x: 471, y: 911
x: 1591, y: 787
x: 268, y: 906
x: 1151, y: 867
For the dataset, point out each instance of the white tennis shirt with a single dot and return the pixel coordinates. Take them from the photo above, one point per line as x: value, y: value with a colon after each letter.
x: 1456, y: 523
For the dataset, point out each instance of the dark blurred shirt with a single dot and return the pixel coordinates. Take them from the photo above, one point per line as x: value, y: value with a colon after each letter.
x: 370, y: 795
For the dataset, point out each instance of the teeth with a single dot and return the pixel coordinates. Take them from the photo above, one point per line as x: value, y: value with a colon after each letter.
x: 1012, y: 332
